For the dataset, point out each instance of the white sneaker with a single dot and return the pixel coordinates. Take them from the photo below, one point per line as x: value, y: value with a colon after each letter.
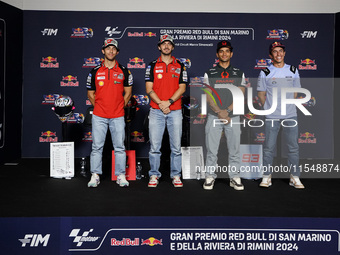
x: 209, y: 183
x: 295, y: 182
x: 176, y: 181
x: 94, y: 182
x: 153, y: 181
x: 266, y: 181
x: 121, y: 181
x: 236, y: 183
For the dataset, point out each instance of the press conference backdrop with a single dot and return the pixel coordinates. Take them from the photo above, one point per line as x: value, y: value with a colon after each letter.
x: 60, y: 48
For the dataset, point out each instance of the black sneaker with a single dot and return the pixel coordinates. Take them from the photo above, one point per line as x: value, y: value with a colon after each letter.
x: 209, y: 183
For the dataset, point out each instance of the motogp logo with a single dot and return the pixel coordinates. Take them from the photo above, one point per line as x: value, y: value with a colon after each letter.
x: 80, y: 239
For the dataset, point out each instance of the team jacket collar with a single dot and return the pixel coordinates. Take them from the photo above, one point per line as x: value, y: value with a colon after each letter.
x: 174, y: 60
x: 115, y: 66
x: 228, y: 68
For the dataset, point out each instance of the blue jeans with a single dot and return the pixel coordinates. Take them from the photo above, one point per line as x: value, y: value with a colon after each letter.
x: 290, y: 137
x: 212, y: 141
x: 99, y: 130
x: 157, y: 123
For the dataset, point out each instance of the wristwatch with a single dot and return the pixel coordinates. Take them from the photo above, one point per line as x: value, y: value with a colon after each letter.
x: 229, y: 111
x: 171, y: 101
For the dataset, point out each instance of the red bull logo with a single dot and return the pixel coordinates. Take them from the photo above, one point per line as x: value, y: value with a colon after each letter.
x: 87, y: 137
x: 135, y: 34
x: 307, y: 138
x: 151, y: 241
x: 125, y: 242
x: 48, y: 133
x: 200, y: 119
x: 92, y: 62
x: 194, y: 81
x: 262, y: 63
x: 141, y: 34
x: 82, y: 32
x: 137, y: 137
x: 138, y: 63
x: 250, y: 116
x: 277, y: 34
x: 49, y: 62
x: 48, y: 137
x: 69, y: 81
x: 260, y: 137
x: 150, y: 34
x: 48, y: 99
x: 307, y: 64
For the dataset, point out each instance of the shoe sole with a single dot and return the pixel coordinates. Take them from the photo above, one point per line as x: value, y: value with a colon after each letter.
x: 178, y: 186
x: 297, y: 187
x: 152, y: 185
x: 207, y: 188
x: 123, y: 185
x: 236, y: 188
x: 210, y: 187
x: 265, y: 185
x: 92, y: 185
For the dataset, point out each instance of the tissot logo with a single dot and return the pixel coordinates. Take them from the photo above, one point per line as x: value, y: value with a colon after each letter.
x: 35, y: 240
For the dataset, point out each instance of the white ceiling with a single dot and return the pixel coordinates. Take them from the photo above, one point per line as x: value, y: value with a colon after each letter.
x: 228, y: 6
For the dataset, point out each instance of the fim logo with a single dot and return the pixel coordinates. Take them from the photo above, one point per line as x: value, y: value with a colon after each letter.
x: 152, y: 241
x: 34, y: 240
x: 50, y: 31
x: 309, y: 34
x: 308, y: 64
x: 83, y: 238
x: 307, y: 138
x: 48, y: 137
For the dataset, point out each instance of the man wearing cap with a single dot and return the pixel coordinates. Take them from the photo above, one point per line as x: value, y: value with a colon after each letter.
x: 276, y: 76
x: 165, y: 80
x: 222, y: 79
x: 109, y: 88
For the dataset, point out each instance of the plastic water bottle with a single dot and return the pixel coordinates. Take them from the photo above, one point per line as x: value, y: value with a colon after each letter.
x: 82, y: 167
x: 138, y: 171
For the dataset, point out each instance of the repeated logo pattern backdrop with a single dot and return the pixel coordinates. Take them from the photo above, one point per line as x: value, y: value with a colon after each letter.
x: 60, y: 48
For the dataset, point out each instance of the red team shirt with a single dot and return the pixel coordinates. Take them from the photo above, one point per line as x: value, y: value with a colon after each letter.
x: 166, y: 80
x: 109, y: 86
